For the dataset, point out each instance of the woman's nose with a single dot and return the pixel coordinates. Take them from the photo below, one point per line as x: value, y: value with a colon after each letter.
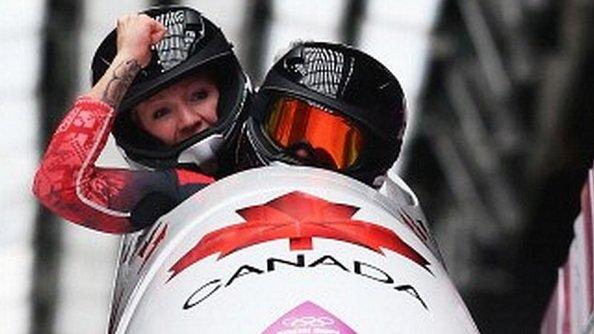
x: 188, y: 117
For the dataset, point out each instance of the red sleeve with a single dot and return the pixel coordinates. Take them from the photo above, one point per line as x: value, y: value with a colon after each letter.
x: 105, y: 199
x: 188, y: 177
x: 67, y: 181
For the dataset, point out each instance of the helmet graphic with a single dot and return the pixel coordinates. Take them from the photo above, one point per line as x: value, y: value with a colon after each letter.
x: 326, y: 105
x: 193, y: 44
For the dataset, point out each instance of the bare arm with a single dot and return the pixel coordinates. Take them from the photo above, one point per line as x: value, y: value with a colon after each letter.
x: 136, y: 34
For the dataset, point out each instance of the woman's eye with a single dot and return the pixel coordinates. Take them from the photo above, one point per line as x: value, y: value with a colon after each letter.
x: 199, y: 95
x: 160, y: 113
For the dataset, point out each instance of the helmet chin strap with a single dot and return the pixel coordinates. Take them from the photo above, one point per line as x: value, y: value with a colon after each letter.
x: 203, y: 153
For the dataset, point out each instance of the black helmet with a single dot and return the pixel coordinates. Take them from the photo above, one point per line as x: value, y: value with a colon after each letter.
x: 327, y: 105
x: 192, y: 44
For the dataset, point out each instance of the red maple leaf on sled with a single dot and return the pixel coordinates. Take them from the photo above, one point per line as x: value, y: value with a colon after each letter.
x: 298, y: 217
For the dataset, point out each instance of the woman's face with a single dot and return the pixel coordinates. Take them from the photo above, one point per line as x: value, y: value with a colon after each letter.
x: 180, y: 111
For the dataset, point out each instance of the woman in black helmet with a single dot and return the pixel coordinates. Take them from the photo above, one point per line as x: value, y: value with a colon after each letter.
x: 326, y: 105
x: 168, y: 86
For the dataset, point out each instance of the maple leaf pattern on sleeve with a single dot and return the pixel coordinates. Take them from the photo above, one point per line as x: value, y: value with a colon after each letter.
x: 69, y: 183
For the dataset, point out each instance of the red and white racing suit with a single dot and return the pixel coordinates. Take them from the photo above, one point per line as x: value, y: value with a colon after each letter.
x: 105, y: 199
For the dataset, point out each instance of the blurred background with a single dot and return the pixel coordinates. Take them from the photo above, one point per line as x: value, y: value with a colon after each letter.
x: 500, y: 136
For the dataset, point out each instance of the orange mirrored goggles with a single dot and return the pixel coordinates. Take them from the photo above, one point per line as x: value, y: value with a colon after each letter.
x: 313, y: 133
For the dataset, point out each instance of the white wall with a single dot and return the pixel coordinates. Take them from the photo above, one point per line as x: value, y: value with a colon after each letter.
x: 19, y: 37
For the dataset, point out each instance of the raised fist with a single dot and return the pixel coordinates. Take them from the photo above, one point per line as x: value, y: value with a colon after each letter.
x: 136, y: 34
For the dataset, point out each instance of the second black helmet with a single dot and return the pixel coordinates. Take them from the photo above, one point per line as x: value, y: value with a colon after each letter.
x: 326, y: 105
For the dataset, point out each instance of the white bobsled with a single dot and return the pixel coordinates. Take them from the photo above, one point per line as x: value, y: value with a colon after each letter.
x: 288, y: 250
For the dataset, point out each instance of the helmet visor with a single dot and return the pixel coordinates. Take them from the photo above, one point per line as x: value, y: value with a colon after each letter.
x: 313, y: 133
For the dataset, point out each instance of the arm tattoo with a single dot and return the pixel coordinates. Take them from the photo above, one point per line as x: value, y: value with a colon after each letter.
x: 122, y: 78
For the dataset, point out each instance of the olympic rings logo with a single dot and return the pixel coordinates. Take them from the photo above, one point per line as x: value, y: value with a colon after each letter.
x: 308, y: 321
